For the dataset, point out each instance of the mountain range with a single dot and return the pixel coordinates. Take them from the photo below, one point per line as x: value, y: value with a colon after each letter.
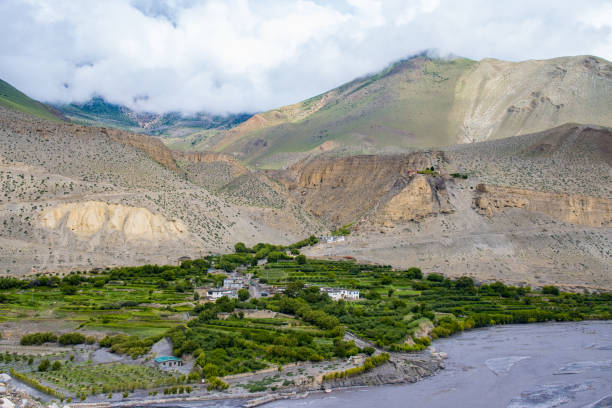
x: 492, y: 169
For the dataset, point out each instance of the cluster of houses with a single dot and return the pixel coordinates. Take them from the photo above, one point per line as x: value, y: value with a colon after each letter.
x: 329, y: 239
x: 231, y: 285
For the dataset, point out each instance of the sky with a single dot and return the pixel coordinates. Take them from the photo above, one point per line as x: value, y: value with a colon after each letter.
x: 227, y: 56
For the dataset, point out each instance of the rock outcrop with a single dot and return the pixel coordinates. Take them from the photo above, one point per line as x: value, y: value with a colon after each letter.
x: 133, y: 223
x: 401, y: 368
x: 421, y: 197
x: 153, y: 147
x: 571, y: 208
x: 347, y: 189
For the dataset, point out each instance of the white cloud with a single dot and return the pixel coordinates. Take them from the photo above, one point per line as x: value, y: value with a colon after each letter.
x: 241, y: 55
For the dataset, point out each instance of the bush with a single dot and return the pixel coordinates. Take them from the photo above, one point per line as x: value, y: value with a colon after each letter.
x: 215, y: 383
x: 69, y: 290
x: 550, y: 290
x: 243, y: 294
x: 240, y: 248
x: 435, y: 277
x: 300, y: 259
x: 44, y: 365
x: 71, y: 338
x: 369, y: 364
x: 368, y: 350
x: 414, y: 273
x: 38, y: 339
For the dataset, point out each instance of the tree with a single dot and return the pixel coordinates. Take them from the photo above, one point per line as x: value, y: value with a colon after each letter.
x: 196, y: 296
x: 293, y: 288
x: 414, y: 273
x: 300, y: 259
x: 56, y: 366
x: 240, y: 247
x: 44, y: 365
x: 243, y: 294
x: 69, y: 290
x: 275, y: 256
x: 435, y: 277
x: 550, y: 290
x: 465, y: 284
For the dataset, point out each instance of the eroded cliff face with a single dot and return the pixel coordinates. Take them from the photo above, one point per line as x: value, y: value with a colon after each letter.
x: 153, y: 147
x: 385, y: 188
x: 422, y: 196
x: 571, y: 208
x: 93, y: 217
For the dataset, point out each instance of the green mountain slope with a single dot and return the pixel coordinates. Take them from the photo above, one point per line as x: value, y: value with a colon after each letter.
x: 423, y: 102
x: 12, y: 98
x: 99, y: 112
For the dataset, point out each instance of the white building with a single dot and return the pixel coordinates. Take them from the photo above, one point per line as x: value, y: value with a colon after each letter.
x: 345, y: 294
x: 214, y: 294
x: 331, y: 238
x: 234, y: 283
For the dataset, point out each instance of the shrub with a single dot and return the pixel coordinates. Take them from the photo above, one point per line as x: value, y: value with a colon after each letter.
x: 71, y: 338
x: 550, y: 290
x: 414, y: 273
x: 69, y: 290
x: 44, y: 365
x: 38, y: 339
x: 215, y: 383
x: 369, y: 364
x: 243, y: 294
x: 435, y: 277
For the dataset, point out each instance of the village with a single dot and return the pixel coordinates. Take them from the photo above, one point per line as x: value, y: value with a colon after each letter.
x: 237, y: 281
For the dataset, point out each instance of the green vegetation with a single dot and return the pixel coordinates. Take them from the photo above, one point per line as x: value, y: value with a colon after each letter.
x: 369, y: 364
x: 214, y: 383
x: 36, y: 385
x: 261, y: 385
x: 12, y: 98
x: 224, y: 337
x: 394, y: 303
x: 344, y: 230
x: 38, y: 339
x: 431, y: 172
x: 87, y: 379
x: 143, y: 301
x: 459, y: 175
x: 384, y: 106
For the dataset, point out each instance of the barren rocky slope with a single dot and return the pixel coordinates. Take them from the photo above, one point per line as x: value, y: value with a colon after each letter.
x: 79, y: 197
x: 422, y: 102
x: 535, y: 209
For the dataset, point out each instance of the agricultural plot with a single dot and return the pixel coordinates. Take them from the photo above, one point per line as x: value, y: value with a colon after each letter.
x: 88, y: 379
x: 392, y: 302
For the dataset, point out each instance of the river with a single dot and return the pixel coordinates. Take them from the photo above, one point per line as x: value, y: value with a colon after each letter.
x: 514, y: 366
